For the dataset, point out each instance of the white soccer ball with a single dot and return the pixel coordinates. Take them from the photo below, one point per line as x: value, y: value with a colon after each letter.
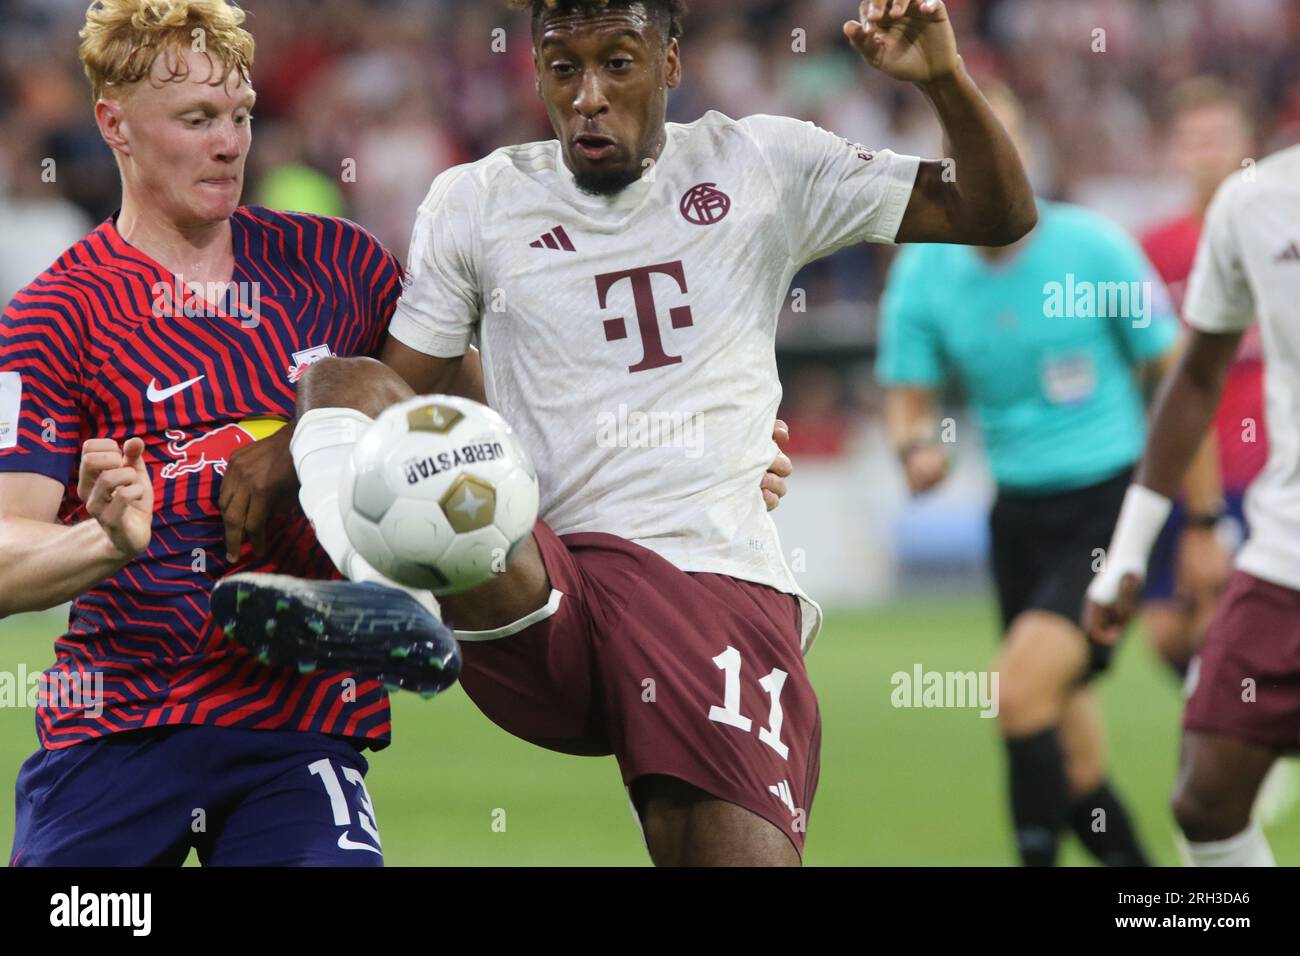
x: 439, y: 494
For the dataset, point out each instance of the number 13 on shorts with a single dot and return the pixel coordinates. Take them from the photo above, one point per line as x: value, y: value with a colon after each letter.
x: 729, y: 713
x: 340, y: 808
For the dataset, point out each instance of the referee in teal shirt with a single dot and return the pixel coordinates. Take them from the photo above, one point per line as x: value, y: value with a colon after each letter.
x: 1047, y: 339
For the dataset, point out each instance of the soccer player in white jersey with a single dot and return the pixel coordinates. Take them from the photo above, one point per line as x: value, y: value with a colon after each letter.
x: 636, y: 266
x: 1243, y: 707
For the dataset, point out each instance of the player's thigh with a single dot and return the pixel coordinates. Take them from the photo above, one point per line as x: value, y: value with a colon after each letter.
x: 533, y: 675
x: 521, y: 589
x: 120, y: 800
x: 298, y: 799
x: 703, y: 681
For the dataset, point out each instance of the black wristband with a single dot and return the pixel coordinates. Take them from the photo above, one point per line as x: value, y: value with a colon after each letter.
x: 1205, y: 519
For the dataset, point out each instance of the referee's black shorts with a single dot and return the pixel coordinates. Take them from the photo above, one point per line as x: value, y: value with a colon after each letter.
x: 1046, y: 547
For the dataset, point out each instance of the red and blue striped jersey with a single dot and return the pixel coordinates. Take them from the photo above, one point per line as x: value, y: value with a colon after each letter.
x: 108, y: 344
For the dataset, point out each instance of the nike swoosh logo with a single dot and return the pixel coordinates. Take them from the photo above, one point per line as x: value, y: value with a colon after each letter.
x: 157, y: 394
x: 346, y: 844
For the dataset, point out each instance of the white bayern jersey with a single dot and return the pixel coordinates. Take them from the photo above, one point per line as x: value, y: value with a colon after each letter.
x: 630, y: 340
x: 1248, y: 269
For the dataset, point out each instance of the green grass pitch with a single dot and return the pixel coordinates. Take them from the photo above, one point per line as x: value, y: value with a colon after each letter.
x: 906, y: 787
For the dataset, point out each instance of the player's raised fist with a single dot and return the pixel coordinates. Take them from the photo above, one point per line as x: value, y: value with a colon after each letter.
x: 910, y: 40
x: 115, y: 485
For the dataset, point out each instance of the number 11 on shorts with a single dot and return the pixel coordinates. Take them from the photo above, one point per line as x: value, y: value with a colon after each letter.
x: 729, y: 713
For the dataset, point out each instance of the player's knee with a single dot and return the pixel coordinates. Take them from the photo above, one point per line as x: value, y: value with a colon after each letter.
x: 362, y: 383
x: 1203, y: 814
x: 1022, y: 708
x: 1026, y: 703
x: 686, y: 826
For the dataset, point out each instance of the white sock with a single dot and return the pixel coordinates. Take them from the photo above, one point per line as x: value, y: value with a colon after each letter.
x: 1247, y: 848
x: 321, y: 444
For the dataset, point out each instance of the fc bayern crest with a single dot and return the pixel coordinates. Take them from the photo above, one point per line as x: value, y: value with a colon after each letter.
x: 705, y: 204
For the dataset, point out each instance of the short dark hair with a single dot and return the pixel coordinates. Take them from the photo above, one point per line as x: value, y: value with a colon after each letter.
x: 670, y: 11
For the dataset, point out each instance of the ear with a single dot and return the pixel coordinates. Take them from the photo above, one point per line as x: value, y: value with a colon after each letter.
x: 537, y: 74
x: 673, y: 65
x: 111, y: 121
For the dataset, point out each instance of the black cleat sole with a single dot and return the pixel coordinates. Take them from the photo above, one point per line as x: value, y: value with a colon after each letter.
x: 375, y: 632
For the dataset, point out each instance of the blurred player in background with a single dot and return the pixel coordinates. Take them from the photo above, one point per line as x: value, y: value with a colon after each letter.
x: 1059, y: 400
x: 1210, y: 134
x: 671, y: 253
x: 1243, y: 710
x: 1210, y: 138
x: 135, y: 372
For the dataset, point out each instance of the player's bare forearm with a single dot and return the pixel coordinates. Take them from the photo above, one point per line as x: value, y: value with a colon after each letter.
x: 980, y: 193
x: 366, y: 384
x: 1184, y: 409
x: 43, y: 565
x: 1203, y: 487
x: 909, y: 417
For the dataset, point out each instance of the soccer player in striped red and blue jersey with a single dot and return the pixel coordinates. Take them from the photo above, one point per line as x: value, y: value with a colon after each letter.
x: 132, y: 372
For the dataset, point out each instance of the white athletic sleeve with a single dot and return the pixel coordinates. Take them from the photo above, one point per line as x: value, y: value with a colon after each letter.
x: 834, y: 193
x: 1219, y: 298
x: 441, y: 304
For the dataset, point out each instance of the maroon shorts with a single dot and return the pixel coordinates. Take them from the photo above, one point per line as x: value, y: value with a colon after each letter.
x: 1247, y: 681
x: 694, y: 676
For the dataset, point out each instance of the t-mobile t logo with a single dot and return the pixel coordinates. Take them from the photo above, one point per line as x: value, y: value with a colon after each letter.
x: 647, y: 316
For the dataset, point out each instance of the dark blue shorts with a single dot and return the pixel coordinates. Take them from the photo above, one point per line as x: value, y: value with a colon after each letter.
x: 1163, y: 566
x: 239, y: 797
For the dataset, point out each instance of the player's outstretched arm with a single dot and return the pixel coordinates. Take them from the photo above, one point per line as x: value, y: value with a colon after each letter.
x: 1184, y: 409
x: 43, y: 563
x: 980, y: 194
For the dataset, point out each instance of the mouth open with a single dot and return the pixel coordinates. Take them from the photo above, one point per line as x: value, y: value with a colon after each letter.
x: 594, y: 147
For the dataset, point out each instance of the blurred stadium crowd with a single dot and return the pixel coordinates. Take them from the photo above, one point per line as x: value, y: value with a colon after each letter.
x: 401, y: 89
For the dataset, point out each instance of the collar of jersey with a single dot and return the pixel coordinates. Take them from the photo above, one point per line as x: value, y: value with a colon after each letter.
x: 625, y: 202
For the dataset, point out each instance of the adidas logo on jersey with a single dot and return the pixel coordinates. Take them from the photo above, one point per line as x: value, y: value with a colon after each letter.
x: 1290, y: 254
x: 556, y: 239
x: 782, y: 792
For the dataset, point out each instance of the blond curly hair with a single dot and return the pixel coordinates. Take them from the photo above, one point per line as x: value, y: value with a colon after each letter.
x: 122, y: 39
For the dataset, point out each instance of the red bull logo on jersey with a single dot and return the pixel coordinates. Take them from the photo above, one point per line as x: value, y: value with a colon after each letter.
x: 214, y: 449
